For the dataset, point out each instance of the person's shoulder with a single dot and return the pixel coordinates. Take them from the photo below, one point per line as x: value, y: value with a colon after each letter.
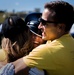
x: 42, y: 46
x: 1, y: 50
x: 2, y: 55
x: 42, y: 49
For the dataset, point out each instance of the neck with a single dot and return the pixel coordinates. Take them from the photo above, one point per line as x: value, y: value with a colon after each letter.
x: 59, y: 35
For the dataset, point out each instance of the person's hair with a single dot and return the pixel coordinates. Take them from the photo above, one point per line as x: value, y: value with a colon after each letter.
x: 19, y: 46
x: 62, y: 12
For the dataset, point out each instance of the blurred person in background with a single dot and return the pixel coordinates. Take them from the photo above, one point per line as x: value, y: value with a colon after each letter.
x: 22, y: 37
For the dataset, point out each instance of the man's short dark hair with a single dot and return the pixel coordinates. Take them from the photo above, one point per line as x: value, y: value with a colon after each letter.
x: 62, y: 12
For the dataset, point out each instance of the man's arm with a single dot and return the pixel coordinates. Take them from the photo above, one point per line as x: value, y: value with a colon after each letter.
x: 20, y: 66
x: 17, y: 67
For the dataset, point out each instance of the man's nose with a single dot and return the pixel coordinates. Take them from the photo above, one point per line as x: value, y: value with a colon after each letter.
x: 39, y: 27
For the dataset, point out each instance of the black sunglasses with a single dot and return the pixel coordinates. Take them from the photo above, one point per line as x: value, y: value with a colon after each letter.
x: 44, y: 22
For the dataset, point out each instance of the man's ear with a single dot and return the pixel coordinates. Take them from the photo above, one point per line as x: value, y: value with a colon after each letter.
x: 61, y: 26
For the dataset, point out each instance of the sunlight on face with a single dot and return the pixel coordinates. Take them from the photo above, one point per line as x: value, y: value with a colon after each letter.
x: 49, y: 30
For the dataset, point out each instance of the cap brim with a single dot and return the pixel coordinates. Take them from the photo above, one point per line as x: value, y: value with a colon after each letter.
x: 33, y: 30
x: 35, y: 33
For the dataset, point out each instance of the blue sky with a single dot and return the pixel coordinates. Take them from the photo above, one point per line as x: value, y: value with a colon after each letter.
x: 25, y: 5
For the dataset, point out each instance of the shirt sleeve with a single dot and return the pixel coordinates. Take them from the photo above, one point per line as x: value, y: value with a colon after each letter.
x: 40, y: 57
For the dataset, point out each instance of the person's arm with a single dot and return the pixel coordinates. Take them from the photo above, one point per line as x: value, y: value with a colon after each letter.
x: 20, y: 66
x: 15, y: 68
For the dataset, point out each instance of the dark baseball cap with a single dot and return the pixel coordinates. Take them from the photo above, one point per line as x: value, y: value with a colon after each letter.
x: 32, y: 21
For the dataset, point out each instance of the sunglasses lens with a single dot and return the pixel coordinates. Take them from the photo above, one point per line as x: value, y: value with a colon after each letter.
x: 42, y: 21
